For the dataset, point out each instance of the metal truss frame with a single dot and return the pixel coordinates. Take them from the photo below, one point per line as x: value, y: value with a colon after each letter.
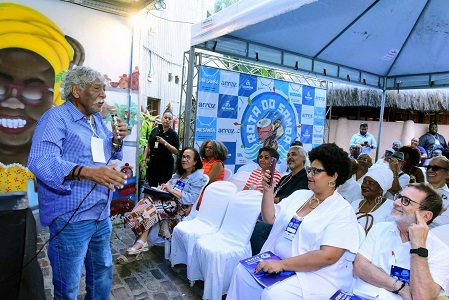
x: 190, y: 77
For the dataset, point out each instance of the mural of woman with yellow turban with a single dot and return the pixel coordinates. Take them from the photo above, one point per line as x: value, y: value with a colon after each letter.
x: 34, y: 54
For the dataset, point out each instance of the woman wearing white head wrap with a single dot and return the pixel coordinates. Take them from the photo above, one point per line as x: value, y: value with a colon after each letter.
x: 374, y: 207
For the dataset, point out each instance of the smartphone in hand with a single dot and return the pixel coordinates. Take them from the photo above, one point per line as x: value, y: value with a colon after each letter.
x: 272, y: 169
x: 160, y: 129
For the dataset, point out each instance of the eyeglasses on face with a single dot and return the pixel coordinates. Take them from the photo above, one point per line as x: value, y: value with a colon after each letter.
x: 208, y: 147
x: 434, y: 168
x: 27, y: 94
x: 186, y: 157
x: 405, y: 201
x: 313, y: 170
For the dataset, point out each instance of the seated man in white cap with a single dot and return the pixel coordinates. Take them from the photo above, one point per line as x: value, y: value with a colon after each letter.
x: 400, y: 179
x: 384, y: 160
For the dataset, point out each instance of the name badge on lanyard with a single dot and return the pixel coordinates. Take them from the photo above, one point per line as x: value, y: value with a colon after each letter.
x: 96, y: 145
x: 179, y: 185
x: 400, y: 273
x: 292, y: 228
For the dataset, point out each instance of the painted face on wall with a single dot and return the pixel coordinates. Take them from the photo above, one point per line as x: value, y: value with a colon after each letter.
x: 26, y: 92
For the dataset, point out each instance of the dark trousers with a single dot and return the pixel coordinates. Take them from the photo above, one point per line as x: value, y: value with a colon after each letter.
x: 259, y: 236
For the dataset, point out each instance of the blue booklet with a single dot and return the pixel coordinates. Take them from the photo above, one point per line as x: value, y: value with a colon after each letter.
x: 342, y: 295
x: 263, y: 278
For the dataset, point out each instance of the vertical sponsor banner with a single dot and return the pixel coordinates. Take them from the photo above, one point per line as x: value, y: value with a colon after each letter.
x: 247, y: 112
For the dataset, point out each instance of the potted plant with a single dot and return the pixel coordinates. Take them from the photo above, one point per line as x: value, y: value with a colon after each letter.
x: 148, y: 122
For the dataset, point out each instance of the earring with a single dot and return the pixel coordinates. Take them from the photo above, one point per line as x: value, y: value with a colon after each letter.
x: 331, y: 184
x: 379, y: 199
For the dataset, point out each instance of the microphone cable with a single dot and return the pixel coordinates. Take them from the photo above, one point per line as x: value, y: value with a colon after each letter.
x: 57, y: 233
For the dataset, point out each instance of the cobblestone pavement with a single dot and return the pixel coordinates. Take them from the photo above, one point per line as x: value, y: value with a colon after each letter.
x: 149, y: 278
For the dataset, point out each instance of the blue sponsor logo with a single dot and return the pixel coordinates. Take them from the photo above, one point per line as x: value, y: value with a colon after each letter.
x: 206, y: 105
x: 306, y: 134
x: 231, y: 146
x: 247, y: 85
x: 269, y: 120
x: 308, y: 95
x: 209, y: 80
x: 227, y: 106
x: 228, y: 131
x: 306, y: 116
x: 230, y: 84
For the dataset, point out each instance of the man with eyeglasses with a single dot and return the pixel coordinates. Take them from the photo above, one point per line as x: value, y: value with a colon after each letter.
x: 403, y: 259
x: 432, y: 139
x: 364, y: 139
x: 295, y: 180
x: 437, y: 171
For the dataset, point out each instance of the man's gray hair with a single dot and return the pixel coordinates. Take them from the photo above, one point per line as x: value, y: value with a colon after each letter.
x: 79, y: 76
x: 301, y: 150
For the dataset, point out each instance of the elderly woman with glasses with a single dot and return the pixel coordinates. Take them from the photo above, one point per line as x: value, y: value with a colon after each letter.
x: 315, y: 233
x: 437, y: 173
x: 184, y: 188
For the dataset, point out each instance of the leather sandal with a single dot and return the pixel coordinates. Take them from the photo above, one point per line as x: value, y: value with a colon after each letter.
x: 133, y: 250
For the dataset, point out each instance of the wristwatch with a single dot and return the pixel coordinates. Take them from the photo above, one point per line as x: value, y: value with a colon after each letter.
x: 420, y: 251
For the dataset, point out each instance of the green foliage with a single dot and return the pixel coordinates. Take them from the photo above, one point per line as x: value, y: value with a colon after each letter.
x: 148, y: 123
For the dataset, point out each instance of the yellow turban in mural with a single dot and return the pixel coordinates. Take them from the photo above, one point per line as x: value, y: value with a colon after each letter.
x: 25, y: 28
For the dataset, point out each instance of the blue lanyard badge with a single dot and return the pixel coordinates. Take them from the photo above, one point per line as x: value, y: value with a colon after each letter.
x: 179, y: 185
x: 400, y: 273
x: 292, y: 228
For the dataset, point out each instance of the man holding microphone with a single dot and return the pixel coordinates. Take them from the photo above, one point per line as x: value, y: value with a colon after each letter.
x: 70, y: 152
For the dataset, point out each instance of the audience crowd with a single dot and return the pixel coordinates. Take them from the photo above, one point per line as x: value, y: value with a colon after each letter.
x: 341, y: 223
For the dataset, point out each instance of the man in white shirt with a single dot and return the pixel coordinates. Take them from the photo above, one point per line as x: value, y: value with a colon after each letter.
x: 437, y: 172
x: 365, y: 139
x: 402, y: 259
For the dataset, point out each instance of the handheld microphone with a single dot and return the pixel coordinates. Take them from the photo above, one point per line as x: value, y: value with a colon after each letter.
x: 113, y: 112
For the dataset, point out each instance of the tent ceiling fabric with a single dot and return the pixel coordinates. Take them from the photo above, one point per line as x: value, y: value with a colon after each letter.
x: 117, y: 7
x: 363, y: 41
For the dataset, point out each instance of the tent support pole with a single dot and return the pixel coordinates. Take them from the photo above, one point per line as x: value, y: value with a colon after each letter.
x: 381, y: 117
x: 188, y: 107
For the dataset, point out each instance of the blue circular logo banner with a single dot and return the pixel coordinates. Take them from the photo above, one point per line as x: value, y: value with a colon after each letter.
x: 268, y: 120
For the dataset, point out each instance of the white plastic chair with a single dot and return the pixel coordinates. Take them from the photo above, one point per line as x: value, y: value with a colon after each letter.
x: 442, y: 232
x: 167, y: 244
x: 228, y: 173
x: 210, y: 216
x: 248, y: 167
x: 239, y: 179
x: 216, y: 255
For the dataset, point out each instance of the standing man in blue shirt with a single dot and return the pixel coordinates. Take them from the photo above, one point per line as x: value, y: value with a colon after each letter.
x: 70, y: 152
x: 365, y: 139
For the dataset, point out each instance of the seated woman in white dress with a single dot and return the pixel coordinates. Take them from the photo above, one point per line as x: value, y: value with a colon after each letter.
x: 321, y: 249
x: 374, y: 207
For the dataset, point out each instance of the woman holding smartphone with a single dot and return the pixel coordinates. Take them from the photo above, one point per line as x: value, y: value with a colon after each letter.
x: 254, y: 181
x: 162, y: 144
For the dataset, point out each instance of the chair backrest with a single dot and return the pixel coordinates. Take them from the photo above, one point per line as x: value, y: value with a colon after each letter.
x: 239, y: 179
x: 241, y: 216
x: 442, y: 232
x: 193, y: 211
x: 215, y: 202
x: 248, y: 167
x: 227, y: 174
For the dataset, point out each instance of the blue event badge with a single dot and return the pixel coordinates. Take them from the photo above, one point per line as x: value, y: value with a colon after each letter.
x: 292, y: 228
x: 179, y: 185
x: 400, y: 273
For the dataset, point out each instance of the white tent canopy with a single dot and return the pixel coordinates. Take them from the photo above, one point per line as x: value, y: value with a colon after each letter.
x: 386, y: 44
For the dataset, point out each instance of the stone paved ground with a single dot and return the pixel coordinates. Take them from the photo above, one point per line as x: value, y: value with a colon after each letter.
x: 149, y: 278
